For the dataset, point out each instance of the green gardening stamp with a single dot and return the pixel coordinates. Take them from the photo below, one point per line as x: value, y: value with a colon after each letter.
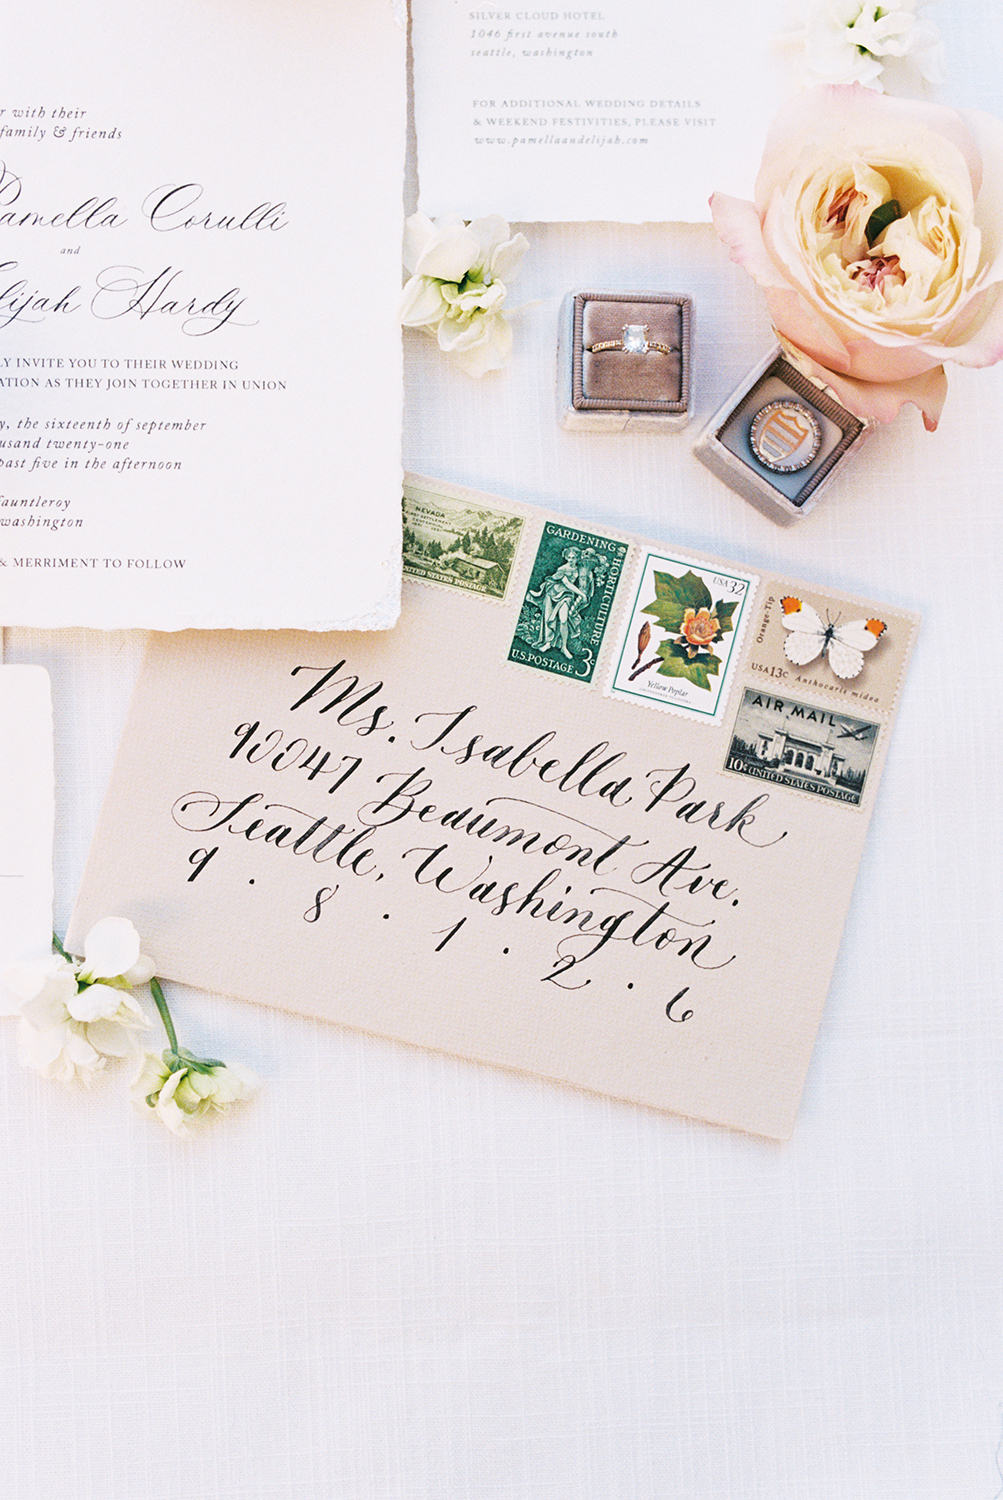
x: 568, y: 602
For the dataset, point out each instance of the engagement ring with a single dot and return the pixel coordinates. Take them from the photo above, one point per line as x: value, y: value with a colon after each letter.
x: 634, y: 341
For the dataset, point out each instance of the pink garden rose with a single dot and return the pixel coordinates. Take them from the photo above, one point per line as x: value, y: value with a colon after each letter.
x: 877, y: 320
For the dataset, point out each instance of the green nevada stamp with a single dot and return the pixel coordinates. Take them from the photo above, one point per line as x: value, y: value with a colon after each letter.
x: 458, y: 542
x: 568, y: 601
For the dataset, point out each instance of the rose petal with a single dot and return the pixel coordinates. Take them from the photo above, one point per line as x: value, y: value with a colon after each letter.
x: 881, y: 401
x: 981, y: 342
x: 878, y: 319
x: 804, y: 325
x: 738, y: 225
x: 847, y: 120
x: 847, y: 350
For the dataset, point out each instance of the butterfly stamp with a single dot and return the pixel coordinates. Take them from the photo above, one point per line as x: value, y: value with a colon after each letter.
x: 844, y: 649
x: 842, y: 646
x: 680, y: 636
x: 802, y: 746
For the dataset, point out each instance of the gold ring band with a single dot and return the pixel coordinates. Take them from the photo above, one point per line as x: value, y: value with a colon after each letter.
x: 634, y: 340
x: 649, y: 346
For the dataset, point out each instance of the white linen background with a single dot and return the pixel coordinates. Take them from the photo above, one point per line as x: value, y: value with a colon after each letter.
x: 401, y: 1276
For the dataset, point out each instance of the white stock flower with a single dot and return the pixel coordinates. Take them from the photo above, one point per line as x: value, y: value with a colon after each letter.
x: 846, y: 41
x: 111, y: 951
x: 181, y: 1093
x: 68, y: 1031
x: 458, y: 286
x: 74, y: 1015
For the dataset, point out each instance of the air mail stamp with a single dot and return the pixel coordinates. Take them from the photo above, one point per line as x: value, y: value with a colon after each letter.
x: 803, y: 746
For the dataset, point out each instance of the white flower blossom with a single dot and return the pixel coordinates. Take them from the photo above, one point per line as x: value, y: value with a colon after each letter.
x: 75, y: 1015
x: 458, y: 286
x: 111, y: 951
x: 179, y: 1088
x: 845, y: 41
x: 67, y: 1030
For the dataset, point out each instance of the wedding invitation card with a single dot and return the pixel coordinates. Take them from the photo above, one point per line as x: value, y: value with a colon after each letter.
x: 26, y: 819
x: 630, y: 110
x: 199, y: 346
x: 551, y: 821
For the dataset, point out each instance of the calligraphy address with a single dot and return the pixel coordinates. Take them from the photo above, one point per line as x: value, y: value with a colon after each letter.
x: 609, y: 854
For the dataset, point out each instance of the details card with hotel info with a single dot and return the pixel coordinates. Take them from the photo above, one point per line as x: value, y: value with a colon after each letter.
x: 199, y: 346
x: 631, y: 110
x: 551, y: 821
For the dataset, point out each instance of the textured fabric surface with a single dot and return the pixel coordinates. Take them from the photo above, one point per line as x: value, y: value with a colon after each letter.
x: 397, y: 1275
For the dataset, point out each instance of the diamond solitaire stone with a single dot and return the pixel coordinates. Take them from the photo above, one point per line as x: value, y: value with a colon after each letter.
x: 635, y: 338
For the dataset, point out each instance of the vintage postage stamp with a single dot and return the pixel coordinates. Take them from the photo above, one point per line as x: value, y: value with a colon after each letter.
x: 681, y: 635
x: 809, y: 642
x: 568, y: 600
x: 803, y: 746
x: 457, y: 542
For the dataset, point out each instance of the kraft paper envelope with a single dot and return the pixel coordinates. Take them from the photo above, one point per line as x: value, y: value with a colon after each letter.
x: 544, y: 823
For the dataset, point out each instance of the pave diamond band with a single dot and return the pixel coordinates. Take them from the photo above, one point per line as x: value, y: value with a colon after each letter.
x: 633, y: 341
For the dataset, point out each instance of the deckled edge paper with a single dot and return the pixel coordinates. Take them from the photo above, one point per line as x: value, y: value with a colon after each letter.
x: 200, y: 343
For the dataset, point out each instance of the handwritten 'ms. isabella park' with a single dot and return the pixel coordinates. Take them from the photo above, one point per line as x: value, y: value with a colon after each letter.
x: 613, y: 855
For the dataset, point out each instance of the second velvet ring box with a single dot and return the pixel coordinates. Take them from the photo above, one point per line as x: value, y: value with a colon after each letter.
x: 625, y: 361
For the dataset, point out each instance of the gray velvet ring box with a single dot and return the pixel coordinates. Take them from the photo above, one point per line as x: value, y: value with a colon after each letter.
x: 639, y: 379
x: 725, y: 446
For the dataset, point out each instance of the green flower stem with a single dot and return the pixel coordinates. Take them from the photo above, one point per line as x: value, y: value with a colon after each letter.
x: 178, y: 1059
x: 59, y: 948
x: 165, y: 1015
